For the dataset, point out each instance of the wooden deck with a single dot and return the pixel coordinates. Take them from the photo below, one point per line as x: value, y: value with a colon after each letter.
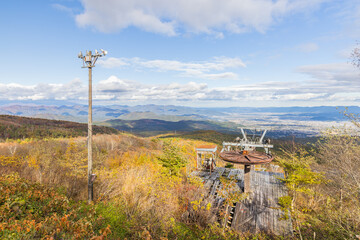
x: 260, y: 210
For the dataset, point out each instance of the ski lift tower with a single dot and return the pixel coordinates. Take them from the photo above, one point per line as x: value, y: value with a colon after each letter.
x: 243, y: 151
x: 89, y: 61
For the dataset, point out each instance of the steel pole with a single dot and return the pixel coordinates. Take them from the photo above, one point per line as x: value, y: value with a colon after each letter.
x: 90, y: 181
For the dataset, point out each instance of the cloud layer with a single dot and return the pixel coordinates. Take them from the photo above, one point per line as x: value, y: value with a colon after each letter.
x: 213, y: 69
x: 196, y: 16
x: 72, y: 90
x: 329, y: 83
x: 308, y: 47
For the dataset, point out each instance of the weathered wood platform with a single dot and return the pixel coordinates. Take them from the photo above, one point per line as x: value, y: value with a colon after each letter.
x: 260, y: 210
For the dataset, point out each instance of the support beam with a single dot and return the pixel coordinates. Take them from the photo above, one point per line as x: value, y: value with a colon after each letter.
x: 243, y: 133
x: 232, y: 144
x: 247, y: 178
x: 197, y: 161
x: 90, y: 161
x: 262, y: 136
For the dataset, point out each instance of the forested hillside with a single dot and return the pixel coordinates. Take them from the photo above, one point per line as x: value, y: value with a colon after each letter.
x: 151, y: 127
x: 14, y: 127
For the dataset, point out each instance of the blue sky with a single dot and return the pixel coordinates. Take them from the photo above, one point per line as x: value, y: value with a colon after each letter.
x: 193, y: 53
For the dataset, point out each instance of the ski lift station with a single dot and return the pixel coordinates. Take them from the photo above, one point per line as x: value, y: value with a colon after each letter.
x: 206, y: 157
x: 259, y: 211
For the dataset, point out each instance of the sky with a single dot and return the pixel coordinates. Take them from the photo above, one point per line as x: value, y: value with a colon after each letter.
x: 199, y: 53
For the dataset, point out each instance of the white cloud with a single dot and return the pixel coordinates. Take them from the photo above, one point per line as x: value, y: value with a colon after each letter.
x: 197, y: 16
x: 308, y: 47
x: 302, y: 96
x: 216, y: 76
x: 346, y: 52
x: 71, y: 90
x: 349, y: 15
x: 112, y: 62
x: 334, y: 75
x: 116, y: 85
x: 62, y: 8
x: 202, y: 70
x: 65, y: 9
x: 327, y: 83
x: 120, y: 89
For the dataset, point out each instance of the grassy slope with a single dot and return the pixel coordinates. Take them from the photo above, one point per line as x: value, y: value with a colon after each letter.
x: 128, y: 162
x: 35, y: 211
x: 122, y: 157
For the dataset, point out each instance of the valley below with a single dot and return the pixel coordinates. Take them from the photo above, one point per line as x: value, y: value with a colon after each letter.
x: 147, y: 120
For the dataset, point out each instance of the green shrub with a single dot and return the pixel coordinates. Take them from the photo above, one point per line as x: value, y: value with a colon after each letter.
x: 172, y: 159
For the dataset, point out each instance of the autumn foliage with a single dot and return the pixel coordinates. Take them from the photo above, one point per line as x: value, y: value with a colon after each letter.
x: 137, y: 194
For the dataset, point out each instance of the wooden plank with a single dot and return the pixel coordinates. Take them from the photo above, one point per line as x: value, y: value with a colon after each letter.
x: 260, y: 212
x: 233, y: 173
x: 221, y: 171
x: 225, y: 172
x: 245, y: 219
x: 206, y: 177
x: 215, y: 174
x: 214, y: 187
x: 263, y: 219
x: 208, y: 184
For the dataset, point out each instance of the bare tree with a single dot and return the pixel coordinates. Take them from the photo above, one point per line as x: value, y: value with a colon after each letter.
x: 355, y: 56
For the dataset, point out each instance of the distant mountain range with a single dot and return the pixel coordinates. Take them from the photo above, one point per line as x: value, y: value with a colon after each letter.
x: 76, y: 112
x: 158, y: 118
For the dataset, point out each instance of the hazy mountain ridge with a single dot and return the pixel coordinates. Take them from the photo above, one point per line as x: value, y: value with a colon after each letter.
x: 78, y: 112
x: 307, y: 120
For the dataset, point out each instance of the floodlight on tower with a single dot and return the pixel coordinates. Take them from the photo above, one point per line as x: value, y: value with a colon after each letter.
x: 104, y: 52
